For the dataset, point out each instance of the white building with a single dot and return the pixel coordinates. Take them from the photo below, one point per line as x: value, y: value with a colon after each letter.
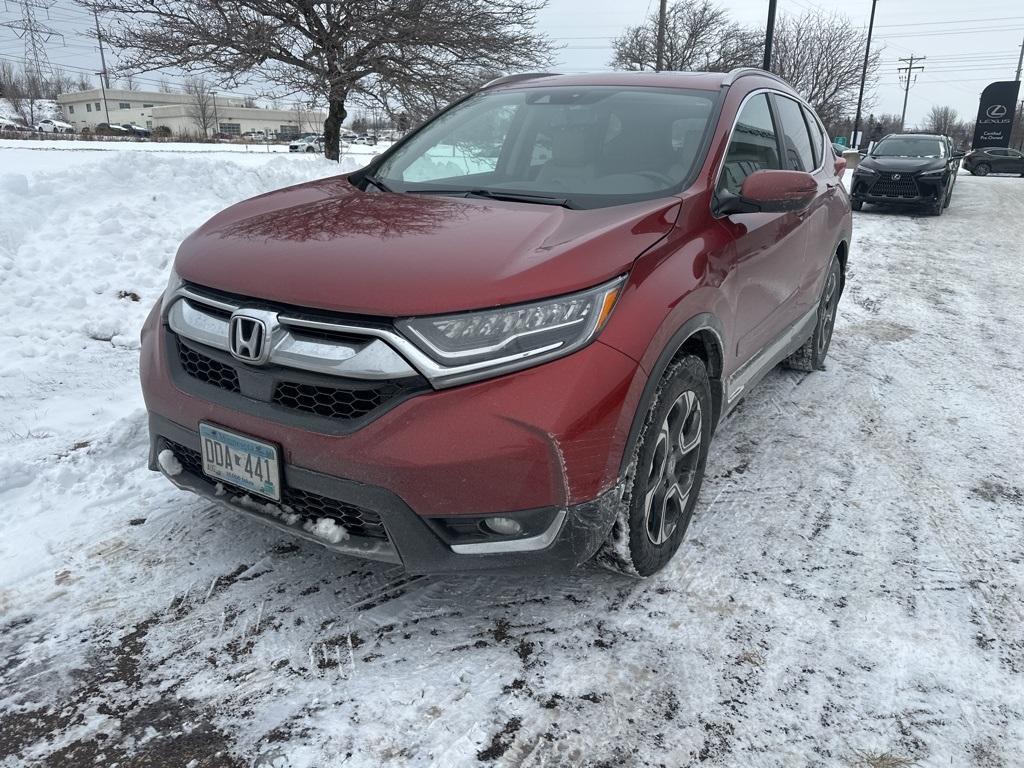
x: 152, y: 109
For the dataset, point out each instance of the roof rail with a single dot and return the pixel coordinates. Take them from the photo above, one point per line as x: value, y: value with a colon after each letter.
x: 739, y: 72
x: 515, y: 78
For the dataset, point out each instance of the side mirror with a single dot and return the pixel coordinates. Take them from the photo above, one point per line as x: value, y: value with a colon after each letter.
x: 958, y: 155
x: 770, y: 192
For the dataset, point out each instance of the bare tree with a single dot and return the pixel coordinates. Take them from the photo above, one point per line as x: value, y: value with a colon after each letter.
x: 821, y: 56
x: 200, y: 109
x: 944, y: 120
x: 84, y: 82
x: 165, y: 85
x: 699, y: 35
x: 392, y: 51
x: 23, y: 88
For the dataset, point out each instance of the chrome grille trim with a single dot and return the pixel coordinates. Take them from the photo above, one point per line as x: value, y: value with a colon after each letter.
x: 290, y: 348
x: 392, y: 344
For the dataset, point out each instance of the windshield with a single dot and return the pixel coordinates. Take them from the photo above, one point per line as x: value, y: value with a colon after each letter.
x: 589, y: 146
x: 908, y: 147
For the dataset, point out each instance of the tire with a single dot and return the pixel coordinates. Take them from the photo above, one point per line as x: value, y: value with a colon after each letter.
x: 310, y: 150
x: 981, y: 169
x: 664, y: 478
x: 937, y: 208
x: 949, y: 198
x: 857, y: 204
x: 811, y: 356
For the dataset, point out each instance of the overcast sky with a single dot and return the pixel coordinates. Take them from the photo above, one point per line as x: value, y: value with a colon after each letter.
x: 967, y: 44
x: 963, y: 53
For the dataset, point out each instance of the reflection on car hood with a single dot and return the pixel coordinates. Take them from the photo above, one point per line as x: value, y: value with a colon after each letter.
x: 329, y: 245
x: 903, y: 164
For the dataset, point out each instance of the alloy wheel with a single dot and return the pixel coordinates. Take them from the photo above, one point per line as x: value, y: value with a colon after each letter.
x: 673, y: 468
x: 827, y: 313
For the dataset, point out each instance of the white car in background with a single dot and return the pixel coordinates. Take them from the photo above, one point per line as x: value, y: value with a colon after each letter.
x: 307, y: 144
x: 54, y: 126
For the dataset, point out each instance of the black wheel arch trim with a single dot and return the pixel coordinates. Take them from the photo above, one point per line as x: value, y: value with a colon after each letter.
x: 703, y: 323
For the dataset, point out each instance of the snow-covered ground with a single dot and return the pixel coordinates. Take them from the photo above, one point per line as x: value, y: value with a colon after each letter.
x: 851, y: 592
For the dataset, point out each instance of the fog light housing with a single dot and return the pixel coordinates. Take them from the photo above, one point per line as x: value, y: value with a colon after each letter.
x: 503, y: 526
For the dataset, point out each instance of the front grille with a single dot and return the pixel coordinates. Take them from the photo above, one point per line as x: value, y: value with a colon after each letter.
x: 199, y: 366
x: 887, y: 186
x: 307, y: 505
x: 333, y: 402
x: 351, y: 402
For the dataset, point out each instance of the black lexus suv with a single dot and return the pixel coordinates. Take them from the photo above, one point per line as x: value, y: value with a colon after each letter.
x: 907, y: 169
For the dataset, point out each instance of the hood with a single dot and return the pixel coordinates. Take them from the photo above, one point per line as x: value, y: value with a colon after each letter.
x: 328, y: 245
x: 903, y: 164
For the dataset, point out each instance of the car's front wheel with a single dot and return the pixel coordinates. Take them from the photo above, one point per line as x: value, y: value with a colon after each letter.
x: 981, y: 169
x: 665, y: 475
x: 856, y: 204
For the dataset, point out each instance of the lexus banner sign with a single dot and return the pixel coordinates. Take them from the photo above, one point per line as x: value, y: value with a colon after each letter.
x: 995, y: 114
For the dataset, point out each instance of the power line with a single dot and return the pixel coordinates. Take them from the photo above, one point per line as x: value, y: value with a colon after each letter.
x: 35, y: 35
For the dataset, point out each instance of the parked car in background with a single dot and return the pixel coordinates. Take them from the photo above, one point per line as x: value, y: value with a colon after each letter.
x: 54, y: 126
x: 221, y: 136
x: 907, y: 169
x: 137, y: 130
x: 349, y: 136
x: 308, y: 144
x: 459, y: 365
x: 367, y: 139
x: 256, y: 136
x: 110, y: 129
x: 10, y: 126
x: 982, y: 162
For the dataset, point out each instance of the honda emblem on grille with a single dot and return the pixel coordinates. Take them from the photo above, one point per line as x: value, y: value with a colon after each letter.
x: 249, y: 337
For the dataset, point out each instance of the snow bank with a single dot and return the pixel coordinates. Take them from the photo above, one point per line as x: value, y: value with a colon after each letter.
x: 86, y: 242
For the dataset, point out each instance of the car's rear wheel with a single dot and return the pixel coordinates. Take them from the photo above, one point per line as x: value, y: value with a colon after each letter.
x: 665, y: 475
x: 811, y: 356
x: 981, y: 169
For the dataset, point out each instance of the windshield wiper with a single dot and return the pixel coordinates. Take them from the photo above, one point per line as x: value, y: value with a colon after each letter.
x: 377, y: 183
x: 488, y: 194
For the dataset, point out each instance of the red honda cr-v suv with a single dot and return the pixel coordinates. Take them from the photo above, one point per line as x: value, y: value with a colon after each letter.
x: 509, y: 339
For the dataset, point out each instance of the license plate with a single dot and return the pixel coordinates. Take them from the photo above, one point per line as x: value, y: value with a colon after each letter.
x: 241, y: 461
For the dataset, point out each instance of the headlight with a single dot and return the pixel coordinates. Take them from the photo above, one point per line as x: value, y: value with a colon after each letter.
x: 934, y: 174
x: 861, y: 169
x: 498, y: 340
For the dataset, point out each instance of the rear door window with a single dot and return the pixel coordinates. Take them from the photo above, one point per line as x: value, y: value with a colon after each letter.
x: 798, y: 155
x: 818, y: 137
x: 753, y: 147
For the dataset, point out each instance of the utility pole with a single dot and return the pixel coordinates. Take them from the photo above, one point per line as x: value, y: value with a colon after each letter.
x: 1020, y: 61
x: 103, y: 92
x: 659, y: 63
x: 854, y: 142
x: 103, y: 59
x: 216, y: 120
x: 769, y: 35
x: 1020, y: 124
x: 909, y: 69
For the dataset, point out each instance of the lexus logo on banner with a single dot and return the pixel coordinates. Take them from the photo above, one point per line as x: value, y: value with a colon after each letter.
x: 995, y: 115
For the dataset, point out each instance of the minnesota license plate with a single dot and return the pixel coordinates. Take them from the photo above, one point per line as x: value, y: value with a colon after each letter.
x: 241, y: 461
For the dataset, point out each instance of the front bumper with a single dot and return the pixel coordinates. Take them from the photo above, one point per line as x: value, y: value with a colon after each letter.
x: 909, y: 189
x: 382, y: 527
x: 533, y: 444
